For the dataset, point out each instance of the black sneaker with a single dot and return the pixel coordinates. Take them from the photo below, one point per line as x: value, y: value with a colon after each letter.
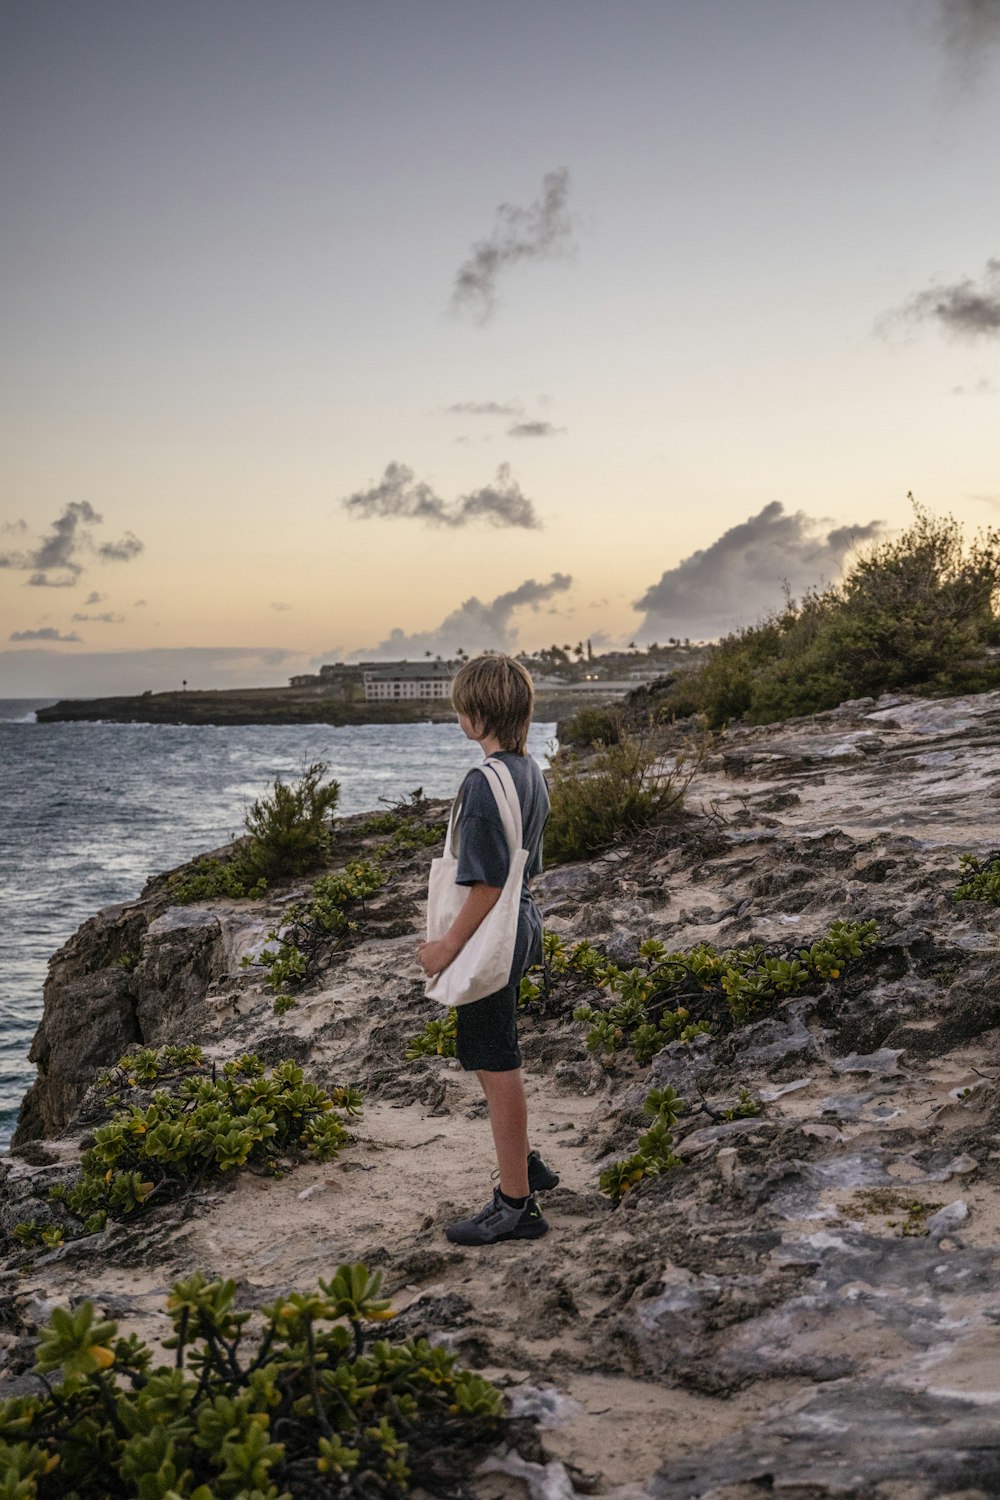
x: 499, y: 1221
x: 540, y: 1176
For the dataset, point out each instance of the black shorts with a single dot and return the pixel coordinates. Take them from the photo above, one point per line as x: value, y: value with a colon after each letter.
x: 486, y: 1030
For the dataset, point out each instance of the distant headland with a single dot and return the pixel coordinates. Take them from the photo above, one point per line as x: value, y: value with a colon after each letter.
x: 387, y: 692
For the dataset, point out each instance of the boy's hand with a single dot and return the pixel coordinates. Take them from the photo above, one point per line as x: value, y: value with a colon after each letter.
x: 435, y: 956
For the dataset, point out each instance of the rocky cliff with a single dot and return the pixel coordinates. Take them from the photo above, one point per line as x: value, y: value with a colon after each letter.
x: 805, y: 1305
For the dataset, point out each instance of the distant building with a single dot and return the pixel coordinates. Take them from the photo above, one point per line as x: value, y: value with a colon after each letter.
x: 308, y: 679
x: 406, y: 681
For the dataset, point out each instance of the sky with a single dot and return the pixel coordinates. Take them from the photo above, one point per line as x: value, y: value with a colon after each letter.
x: 358, y: 329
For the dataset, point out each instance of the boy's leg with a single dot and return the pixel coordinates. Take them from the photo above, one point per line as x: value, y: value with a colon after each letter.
x: 509, y: 1123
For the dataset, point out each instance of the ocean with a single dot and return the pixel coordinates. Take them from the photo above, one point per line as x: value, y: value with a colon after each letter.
x: 89, y: 811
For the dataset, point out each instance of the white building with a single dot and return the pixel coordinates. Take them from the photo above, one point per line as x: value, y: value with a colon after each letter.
x: 403, y: 682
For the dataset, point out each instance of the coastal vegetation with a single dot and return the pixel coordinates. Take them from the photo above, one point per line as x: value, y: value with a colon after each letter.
x: 288, y: 833
x: 624, y: 788
x: 405, y: 834
x: 654, y: 1150
x: 295, y: 1401
x: 980, y: 878
x: 670, y: 996
x: 915, y: 613
x: 667, y: 996
x: 592, y: 726
x: 311, y: 930
x: 173, y: 1122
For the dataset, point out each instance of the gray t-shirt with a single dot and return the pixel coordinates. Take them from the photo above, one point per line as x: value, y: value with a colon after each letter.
x: 482, y: 847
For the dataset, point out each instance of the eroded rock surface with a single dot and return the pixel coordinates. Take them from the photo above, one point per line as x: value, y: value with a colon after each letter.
x: 806, y: 1306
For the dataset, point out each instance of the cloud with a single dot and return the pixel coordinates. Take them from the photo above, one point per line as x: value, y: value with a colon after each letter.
x: 123, y: 551
x: 43, y: 581
x: 58, y: 553
x: 68, y: 532
x: 93, y: 598
x: 399, y: 494
x: 37, y: 671
x: 743, y: 574
x: 474, y: 626
x: 534, y: 429
x: 108, y: 618
x: 329, y: 658
x: 47, y: 633
x: 485, y: 409
x: 964, y: 309
x: 968, y: 29
x: 982, y: 387
x: 138, y: 603
x: 277, y: 604
x: 540, y: 232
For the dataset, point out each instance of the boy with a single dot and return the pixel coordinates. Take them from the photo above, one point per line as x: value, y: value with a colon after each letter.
x: 494, y: 697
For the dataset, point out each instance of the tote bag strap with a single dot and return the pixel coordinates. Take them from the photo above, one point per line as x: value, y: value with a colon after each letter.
x: 501, y: 784
x: 508, y: 804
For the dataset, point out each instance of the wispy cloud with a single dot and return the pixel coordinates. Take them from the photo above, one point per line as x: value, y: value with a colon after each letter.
x: 279, y: 605
x: 534, y: 430
x: 965, y: 309
x: 476, y: 625
x: 743, y: 574
x: 542, y: 231
x: 55, y: 561
x: 485, y: 409
x: 399, y: 494
x: 92, y: 598
x: 47, y: 633
x: 981, y: 387
x: 108, y: 618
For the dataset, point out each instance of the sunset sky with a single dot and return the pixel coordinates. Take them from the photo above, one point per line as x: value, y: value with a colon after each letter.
x: 352, y: 328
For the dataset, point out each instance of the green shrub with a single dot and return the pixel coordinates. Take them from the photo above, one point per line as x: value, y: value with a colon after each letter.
x: 981, y: 879
x: 292, y: 1403
x: 436, y: 1040
x: 330, y: 918
x: 405, y: 830
x: 200, y: 1127
x: 624, y: 790
x: 913, y: 613
x: 288, y: 829
x: 654, y: 1152
x: 210, y: 878
x: 288, y: 834
x: 592, y: 726
x: 658, y: 1000
x: 747, y: 1107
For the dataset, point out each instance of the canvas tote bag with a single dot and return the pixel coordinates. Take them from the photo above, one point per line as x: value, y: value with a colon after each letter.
x: 483, y: 965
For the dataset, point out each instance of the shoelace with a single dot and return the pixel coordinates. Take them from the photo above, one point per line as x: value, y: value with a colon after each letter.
x: 490, y: 1209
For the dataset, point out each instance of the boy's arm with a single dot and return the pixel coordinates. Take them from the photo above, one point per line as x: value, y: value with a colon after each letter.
x: 478, y: 904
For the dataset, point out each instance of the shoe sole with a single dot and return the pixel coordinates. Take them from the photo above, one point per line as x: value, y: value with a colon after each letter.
x: 529, y: 1232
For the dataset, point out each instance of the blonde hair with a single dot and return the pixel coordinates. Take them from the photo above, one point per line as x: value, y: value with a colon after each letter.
x: 497, y: 694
